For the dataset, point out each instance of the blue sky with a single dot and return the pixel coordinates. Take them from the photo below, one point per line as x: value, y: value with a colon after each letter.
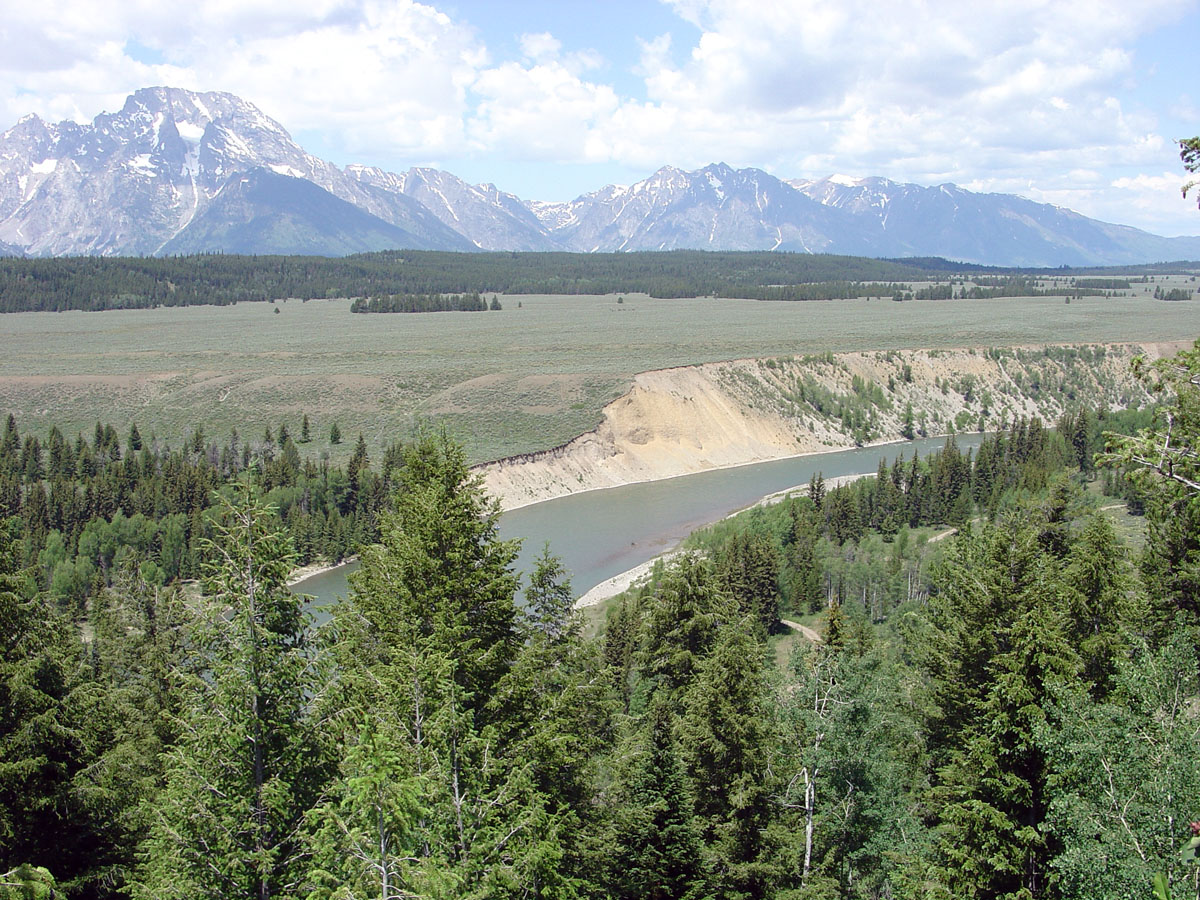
x: 1073, y: 103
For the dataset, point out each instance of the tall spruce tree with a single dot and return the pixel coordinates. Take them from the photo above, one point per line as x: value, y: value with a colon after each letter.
x: 442, y: 567
x: 427, y: 644
x: 655, y: 848
x: 247, y: 765
x: 726, y: 740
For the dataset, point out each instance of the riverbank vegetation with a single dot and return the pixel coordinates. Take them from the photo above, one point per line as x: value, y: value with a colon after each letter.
x: 961, y: 728
x: 86, y: 510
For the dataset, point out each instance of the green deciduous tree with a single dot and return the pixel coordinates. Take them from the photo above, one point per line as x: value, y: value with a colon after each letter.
x: 1165, y: 462
x: 1189, y: 152
x: 1125, y: 778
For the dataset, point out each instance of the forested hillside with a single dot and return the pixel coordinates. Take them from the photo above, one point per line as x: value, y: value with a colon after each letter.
x: 961, y: 729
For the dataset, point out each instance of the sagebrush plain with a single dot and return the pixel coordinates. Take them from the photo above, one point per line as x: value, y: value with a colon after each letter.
x: 527, y: 377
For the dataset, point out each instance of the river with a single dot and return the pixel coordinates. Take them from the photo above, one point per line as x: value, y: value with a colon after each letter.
x: 599, y: 534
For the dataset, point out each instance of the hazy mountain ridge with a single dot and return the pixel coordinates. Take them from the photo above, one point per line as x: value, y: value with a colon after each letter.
x: 152, y: 178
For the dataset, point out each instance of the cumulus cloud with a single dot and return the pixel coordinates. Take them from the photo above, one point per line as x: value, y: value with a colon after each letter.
x: 1009, y: 95
x: 380, y: 76
x: 922, y: 91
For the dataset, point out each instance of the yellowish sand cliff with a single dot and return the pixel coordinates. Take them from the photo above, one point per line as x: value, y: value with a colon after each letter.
x: 693, y: 418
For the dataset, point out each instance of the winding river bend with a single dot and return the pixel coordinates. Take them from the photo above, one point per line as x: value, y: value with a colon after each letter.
x: 599, y: 534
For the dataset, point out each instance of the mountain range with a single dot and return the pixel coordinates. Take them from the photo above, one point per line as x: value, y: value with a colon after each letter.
x: 177, y: 171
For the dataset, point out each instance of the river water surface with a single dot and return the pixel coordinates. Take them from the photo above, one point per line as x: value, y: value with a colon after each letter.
x: 599, y: 534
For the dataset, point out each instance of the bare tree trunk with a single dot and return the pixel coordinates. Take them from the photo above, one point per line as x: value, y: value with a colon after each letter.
x: 810, y: 802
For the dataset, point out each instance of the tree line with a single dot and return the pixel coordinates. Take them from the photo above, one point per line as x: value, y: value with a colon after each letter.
x: 98, y: 283
x: 412, y: 303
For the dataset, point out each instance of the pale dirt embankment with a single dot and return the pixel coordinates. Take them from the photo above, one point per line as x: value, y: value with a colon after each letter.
x: 693, y: 418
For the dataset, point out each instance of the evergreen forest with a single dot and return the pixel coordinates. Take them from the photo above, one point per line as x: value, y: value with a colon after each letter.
x: 100, y: 283
x: 998, y: 697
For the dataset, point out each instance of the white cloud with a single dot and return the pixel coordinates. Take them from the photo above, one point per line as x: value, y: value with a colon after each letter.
x: 540, y: 47
x: 384, y: 77
x: 1009, y: 94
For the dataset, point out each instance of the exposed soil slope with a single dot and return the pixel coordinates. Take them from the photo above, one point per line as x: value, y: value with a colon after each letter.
x: 689, y: 419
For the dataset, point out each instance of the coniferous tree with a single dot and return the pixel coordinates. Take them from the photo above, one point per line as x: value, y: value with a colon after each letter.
x: 549, y: 601
x: 748, y: 569
x: 365, y: 838
x: 655, y: 849
x: 247, y: 765
x: 682, y: 626
x: 807, y: 595
x: 725, y: 740
x: 38, y: 752
x: 427, y: 642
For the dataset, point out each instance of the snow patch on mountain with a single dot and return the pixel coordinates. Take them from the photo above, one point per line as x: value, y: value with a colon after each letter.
x: 190, y: 131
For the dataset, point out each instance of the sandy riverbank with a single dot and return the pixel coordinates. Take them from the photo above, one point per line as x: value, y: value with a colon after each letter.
x: 314, y: 569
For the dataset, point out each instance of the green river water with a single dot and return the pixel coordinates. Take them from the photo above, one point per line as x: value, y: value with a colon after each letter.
x: 599, y: 534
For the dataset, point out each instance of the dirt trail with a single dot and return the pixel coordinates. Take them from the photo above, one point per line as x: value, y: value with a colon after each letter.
x: 803, y: 629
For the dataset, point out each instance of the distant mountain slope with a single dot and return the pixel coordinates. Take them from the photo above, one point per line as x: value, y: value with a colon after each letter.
x: 714, y: 208
x: 152, y: 177
x: 262, y: 212
x: 134, y: 181
x: 486, y: 216
x: 948, y: 221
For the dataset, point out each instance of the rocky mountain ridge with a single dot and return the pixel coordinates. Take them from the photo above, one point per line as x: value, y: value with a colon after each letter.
x: 180, y: 171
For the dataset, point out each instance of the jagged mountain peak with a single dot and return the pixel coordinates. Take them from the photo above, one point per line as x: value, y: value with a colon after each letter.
x: 133, y: 181
x: 151, y: 175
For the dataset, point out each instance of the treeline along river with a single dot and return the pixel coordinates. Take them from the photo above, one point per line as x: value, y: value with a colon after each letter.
x: 600, y: 534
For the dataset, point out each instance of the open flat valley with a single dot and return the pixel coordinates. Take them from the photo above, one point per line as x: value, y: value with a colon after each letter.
x: 531, y: 376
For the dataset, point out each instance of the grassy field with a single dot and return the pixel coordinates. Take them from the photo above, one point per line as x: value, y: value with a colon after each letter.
x: 527, y: 377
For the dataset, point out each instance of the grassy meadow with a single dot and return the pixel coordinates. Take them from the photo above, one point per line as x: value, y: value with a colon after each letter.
x: 530, y: 376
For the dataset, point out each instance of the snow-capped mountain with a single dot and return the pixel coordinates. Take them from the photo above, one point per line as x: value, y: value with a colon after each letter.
x: 714, y: 208
x: 177, y: 171
x: 488, y: 217
x: 131, y: 182
x: 949, y: 221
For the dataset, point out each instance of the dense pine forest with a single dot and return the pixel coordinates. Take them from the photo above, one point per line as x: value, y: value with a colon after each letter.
x: 86, y: 509
x: 99, y: 283
x: 413, y: 303
x: 1008, y: 711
